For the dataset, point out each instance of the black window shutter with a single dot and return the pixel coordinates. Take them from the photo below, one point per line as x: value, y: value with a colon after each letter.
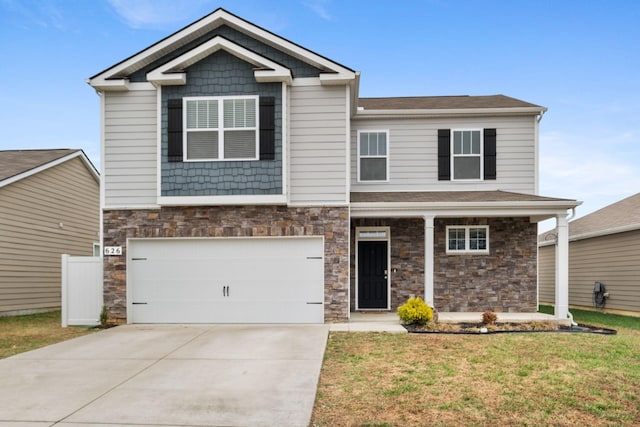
x: 267, y: 128
x: 444, y: 154
x: 174, y: 129
x: 489, y: 154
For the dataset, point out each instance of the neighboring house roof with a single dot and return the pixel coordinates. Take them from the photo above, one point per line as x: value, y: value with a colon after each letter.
x: 615, y: 218
x: 442, y: 102
x: 19, y: 164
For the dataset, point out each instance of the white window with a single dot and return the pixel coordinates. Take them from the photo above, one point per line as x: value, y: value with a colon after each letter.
x: 466, y: 158
x: 373, y: 159
x: 467, y: 239
x: 221, y: 128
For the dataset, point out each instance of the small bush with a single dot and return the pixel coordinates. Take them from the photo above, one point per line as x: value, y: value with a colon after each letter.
x: 489, y: 317
x: 415, y: 312
x: 104, y: 316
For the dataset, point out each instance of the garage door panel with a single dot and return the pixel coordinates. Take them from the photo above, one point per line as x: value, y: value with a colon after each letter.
x: 243, y: 280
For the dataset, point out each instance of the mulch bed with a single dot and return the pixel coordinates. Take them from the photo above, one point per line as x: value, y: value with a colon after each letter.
x: 500, y: 328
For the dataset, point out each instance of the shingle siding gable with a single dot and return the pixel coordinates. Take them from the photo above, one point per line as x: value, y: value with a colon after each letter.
x: 222, y: 74
x: 298, y: 68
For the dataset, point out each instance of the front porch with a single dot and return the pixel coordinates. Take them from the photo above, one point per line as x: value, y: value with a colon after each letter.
x: 463, y: 252
x: 386, y: 321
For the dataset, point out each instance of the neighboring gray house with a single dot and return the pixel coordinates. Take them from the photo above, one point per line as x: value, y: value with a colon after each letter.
x: 604, y: 246
x: 245, y: 180
x: 49, y: 206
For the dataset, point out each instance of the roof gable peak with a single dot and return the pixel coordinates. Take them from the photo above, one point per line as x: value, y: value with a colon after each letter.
x: 116, y: 77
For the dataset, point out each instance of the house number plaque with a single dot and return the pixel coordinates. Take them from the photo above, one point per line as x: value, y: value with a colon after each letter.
x: 113, y: 250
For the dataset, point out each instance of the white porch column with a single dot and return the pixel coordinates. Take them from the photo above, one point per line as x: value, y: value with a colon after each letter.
x: 428, y: 259
x: 562, y: 267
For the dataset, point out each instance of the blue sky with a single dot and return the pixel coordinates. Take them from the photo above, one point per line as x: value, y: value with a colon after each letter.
x: 581, y: 59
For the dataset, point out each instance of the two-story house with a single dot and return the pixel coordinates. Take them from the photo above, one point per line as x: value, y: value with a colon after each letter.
x: 244, y: 180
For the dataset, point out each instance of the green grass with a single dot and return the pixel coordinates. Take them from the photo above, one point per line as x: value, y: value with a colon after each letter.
x: 23, y: 333
x: 599, y: 318
x: 374, y: 379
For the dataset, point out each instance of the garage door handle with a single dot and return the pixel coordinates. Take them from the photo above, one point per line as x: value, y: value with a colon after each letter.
x: 139, y: 303
x: 319, y: 303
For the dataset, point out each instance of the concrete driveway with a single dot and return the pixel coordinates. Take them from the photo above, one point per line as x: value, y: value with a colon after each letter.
x: 168, y: 375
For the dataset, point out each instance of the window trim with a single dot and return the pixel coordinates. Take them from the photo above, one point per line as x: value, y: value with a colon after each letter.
x: 386, y: 156
x: 466, y: 250
x: 453, y: 156
x: 220, y: 129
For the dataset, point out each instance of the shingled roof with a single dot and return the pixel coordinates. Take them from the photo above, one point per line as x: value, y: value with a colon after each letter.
x: 449, y: 197
x: 443, y: 102
x: 624, y: 213
x: 16, y: 162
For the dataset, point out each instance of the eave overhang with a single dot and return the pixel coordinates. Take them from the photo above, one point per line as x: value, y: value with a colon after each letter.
x: 457, y: 112
x: 454, y: 204
x: 535, y: 211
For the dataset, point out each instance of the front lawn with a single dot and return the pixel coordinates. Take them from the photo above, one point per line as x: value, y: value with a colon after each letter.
x: 23, y: 333
x: 377, y: 379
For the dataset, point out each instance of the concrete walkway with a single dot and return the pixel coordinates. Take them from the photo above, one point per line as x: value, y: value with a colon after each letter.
x: 168, y: 375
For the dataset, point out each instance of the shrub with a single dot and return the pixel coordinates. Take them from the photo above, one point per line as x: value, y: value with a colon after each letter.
x: 489, y: 317
x: 104, y: 316
x: 415, y: 312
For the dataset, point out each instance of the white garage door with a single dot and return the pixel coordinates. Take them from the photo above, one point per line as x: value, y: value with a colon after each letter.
x: 236, y: 280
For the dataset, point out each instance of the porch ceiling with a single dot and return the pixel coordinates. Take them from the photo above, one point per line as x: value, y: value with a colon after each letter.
x: 458, y: 203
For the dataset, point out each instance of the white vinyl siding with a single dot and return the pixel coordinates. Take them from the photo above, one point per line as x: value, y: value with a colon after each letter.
x: 129, y: 159
x: 317, y: 145
x: 413, y: 161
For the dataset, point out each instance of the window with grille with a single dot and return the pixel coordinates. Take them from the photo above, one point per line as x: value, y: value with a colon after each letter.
x: 221, y: 128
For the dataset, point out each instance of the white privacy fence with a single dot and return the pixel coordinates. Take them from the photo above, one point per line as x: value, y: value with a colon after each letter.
x: 81, y: 290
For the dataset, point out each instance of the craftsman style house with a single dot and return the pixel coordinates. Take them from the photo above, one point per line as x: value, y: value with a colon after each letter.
x: 244, y: 180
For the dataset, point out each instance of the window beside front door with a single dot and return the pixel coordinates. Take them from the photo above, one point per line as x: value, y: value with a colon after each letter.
x: 467, y: 239
x: 373, y: 158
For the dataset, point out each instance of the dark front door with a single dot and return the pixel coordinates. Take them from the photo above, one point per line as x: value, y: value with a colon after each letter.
x: 372, y: 275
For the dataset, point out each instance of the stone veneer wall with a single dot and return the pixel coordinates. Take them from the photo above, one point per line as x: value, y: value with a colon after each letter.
x: 407, y: 256
x: 503, y: 281
x: 231, y: 221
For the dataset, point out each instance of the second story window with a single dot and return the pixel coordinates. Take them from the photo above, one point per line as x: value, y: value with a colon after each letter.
x: 373, y: 158
x: 466, y: 158
x: 467, y: 154
x: 220, y: 128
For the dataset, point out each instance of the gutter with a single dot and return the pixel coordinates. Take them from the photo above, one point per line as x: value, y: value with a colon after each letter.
x: 453, y: 112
